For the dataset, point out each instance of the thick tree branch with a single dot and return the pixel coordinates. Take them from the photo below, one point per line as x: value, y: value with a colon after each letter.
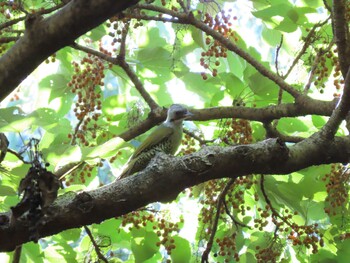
x: 46, y: 36
x: 167, y: 176
x: 265, y: 114
x: 341, y: 34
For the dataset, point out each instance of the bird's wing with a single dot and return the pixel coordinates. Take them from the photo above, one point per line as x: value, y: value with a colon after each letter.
x: 158, y: 135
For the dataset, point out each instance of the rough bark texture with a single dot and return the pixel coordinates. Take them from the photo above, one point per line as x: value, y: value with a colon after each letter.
x: 167, y: 176
x: 43, y: 37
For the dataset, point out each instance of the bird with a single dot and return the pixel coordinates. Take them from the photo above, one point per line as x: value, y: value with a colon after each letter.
x: 165, y: 138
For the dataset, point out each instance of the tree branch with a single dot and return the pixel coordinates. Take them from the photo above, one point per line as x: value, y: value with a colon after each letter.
x: 97, y: 248
x: 309, y: 39
x: 51, y: 34
x: 341, y: 34
x: 167, y: 176
x: 190, y: 19
x: 340, y: 113
x: 214, y: 226
x: 138, y: 84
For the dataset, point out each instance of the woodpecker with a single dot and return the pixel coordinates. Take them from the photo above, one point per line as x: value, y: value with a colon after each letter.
x: 165, y: 138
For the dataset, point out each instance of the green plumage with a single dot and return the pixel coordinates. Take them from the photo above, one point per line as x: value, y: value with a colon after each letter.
x: 165, y: 138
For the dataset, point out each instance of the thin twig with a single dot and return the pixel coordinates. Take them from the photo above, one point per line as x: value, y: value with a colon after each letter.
x: 237, y: 223
x: 17, y: 254
x: 76, y: 130
x: 315, y: 64
x: 152, y: 18
x: 199, y: 139
x: 214, y: 226
x: 8, y: 39
x: 120, y: 61
x: 18, y: 155
x: 95, y: 53
x: 226, y: 42
x: 183, y: 6
x: 268, y: 201
x: 125, y: 31
x: 96, y: 246
x: 12, y: 22
x: 138, y: 84
x: 327, y: 6
x: 22, y: 18
x: 308, y: 40
x: 272, y: 132
x: 277, y: 54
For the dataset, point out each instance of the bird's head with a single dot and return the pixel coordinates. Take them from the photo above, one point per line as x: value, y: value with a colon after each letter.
x: 177, y: 113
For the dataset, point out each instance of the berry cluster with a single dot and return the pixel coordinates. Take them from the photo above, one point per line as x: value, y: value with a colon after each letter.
x: 115, y: 157
x: 270, y: 253
x: 117, y: 28
x: 79, y: 176
x: 188, y: 145
x: 162, y: 227
x: 85, y: 84
x: 5, y: 6
x: 236, y: 131
x: 307, y: 236
x: 322, y: 71
x: 51, y: 59
x: 234, y: 205
x: 227, y: 248
x: 173, y: 5
x: 337, y: 185
x: 165, y: 231
x: 221, y: 23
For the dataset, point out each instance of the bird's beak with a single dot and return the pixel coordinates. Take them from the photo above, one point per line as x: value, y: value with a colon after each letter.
x: 188, y: 115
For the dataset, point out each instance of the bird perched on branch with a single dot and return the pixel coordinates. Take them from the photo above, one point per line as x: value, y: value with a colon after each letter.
x: 165, y: 138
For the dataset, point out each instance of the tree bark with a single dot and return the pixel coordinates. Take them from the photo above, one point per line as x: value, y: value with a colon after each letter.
x: 167, y: 176
x: 43, y: 37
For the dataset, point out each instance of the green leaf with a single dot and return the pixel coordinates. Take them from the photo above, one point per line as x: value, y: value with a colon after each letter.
x: 274, y: 10
x: 343, y: 253
x: 318, y: 121
x: 71, y: 234
x: 109, y: 228
x: 62, y: 154
x: 324, y: 256
x: 290, y: 125
x: 7, y: 190
x: 182, y: 252
x: 262, y: 86
x: 105, y: 150
x: 284, y: 193
x: 287, y: 25
x: 97, y: 33
x: 143, y: 245
x: 32, y: 253
x: 271, y: 36
x: 198, y: 36
x: 12, y: 120
x: 57, y: 83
